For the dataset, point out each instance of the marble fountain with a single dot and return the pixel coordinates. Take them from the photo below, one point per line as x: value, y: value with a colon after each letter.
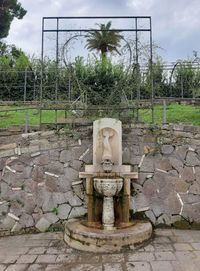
x: 108, y: 227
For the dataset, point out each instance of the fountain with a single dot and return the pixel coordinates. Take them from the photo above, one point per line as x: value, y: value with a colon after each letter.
x: 108, y: 184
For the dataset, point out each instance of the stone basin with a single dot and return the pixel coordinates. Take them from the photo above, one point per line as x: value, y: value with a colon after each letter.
x: 108, y: 188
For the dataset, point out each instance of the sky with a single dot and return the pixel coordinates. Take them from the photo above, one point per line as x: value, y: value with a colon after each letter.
x: 175, y: 23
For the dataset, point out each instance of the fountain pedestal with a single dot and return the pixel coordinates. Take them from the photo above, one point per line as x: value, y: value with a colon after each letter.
x: 108, y: 188
x: 108, y: 217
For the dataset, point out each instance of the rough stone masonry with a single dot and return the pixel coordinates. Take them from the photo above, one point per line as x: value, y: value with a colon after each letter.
x: 39, y: 184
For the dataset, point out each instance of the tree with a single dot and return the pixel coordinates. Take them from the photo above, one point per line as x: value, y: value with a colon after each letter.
x: 184, y: 79
x: 104, y: 40
x: 13, y: 55
x: 13, y: 66
x: 9, y: 9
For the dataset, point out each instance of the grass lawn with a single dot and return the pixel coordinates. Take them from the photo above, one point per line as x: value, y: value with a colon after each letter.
x: 10, y: 118
x: 175, y: 113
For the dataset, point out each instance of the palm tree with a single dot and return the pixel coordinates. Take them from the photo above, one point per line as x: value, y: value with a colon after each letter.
x: 104, y: 40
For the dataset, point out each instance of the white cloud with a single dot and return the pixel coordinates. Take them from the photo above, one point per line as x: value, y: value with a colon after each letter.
x: 176, y: 24
x: 139, y: 5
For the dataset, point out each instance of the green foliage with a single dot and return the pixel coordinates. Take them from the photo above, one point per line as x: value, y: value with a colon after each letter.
x: 158, y: 80
x: 104, y: 40
x: 184, y: 79
x: 102, y: 77
x: 101, y: 82
x: 94, y: 81
x: 13, y: 63
x: 9, y: 10
x: 12, y: 57
x: 55, y: 211
x: 58, y: 227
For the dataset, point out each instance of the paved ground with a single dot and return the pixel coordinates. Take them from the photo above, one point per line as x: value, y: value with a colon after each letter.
x: 177, y: 250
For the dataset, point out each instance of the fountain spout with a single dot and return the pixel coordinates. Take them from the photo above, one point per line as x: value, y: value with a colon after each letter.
x: 107, y: 165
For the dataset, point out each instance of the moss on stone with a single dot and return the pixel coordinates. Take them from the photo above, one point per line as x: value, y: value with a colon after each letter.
x: 195, y: 226
x: 138, y: 216
x: 182, y: 224
x: 57, y: 227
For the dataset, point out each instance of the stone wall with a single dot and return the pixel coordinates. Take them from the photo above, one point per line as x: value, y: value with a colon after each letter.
x: 39, y: 184
x: 168, y: 159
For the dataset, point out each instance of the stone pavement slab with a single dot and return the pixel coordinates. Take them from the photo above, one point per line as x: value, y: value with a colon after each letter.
x: 162, y: 265
x: 170, y: 250
x: 138, y: 266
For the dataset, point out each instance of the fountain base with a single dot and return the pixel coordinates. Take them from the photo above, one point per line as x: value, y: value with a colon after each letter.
x: 79, y: 236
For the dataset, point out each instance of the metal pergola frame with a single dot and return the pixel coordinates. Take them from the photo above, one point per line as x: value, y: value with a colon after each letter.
x: 136, y: 29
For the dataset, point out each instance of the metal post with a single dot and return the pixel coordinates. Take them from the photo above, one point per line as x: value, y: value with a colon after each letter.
x: 151, y: 71
x: 34, y: 85
x: 164, y: 112
x: 136, y: 60
x: 182, y: 86
x: 57, y: 60
x: 137, y: 114
x: 34, y: 90
x: 40, y: 117
x: 56, y: 118
x: 42, y: 63
x: 26, y: 126
x: 25, y: 84
x: 69, y: 94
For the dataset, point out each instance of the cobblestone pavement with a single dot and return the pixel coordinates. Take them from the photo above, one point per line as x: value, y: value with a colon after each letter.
x: 177, y: 250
